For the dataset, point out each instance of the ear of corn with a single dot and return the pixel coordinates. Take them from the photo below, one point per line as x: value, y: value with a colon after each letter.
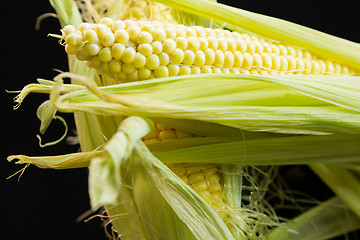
x: 320, y: 43
x: 137, y: 50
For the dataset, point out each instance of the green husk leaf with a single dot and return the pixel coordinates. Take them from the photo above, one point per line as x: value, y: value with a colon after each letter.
x: 105, y: 176
x: 322, y: 44
x: 343, y: 182
x: 325, y: 221
x: 267, y: 151
x: 67, y: 161
x: 189, y: 207
x: 67, y: 12
x: 329, y: 109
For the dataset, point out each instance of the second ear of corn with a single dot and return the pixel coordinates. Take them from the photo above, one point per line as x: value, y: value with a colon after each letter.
x: 137, y: 50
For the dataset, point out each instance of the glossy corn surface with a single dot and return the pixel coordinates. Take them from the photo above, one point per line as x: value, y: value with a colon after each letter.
x: 137, y: 50
x: 205, y: 179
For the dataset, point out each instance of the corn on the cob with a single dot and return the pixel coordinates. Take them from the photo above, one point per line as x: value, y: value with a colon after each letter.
x: 205, y: 179
x: 136, y: 50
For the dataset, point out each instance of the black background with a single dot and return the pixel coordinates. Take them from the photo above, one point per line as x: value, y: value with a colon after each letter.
x: 46, y: 203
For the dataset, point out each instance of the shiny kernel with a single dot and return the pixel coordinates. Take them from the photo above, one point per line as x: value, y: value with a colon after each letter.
x: 200, y: 186
x: 292, y: 62
x: 117, y: 50
x: 283, y: 50
x: 134, y: 76
x: 266, y: 61
x: 144, y: 73
x: 117, y: 24
x: 127, y: 68
x: 291, y: 51
x: 134, y: 32
x: 208, y: 172
x: 152, y: 62
x: 170, y: 32
x: 177, y: 56
x: 139, y: 60
x: 144, y: 37
x: 107, y: 21
x: 231, y: 44
x: 195, y: 70
x: 300, y: 65
x: 148, y: 28
x: 203, y: 43
x: 329, y: 67
x: 161, y: 71
x: 241, y: 45
x: 315, y: 67
x: 238, y: 59
x: 122, y: 36
x: 250, y: 47
x: 114, y: 66
x: 284, y: 63
x: 216, y: 70
x: 164, y: 59
x: 108, y: 39
x: 74, y: 39
x: 195, y: 177
x: 205, y: 69
x: 228, y: 59
x: 223, y: 44
x: 169, y: 45
x: 337, y: 68
x: 68, y: 29
x: 167, y: 135
x: 189, y: 57
x: 105, y: 55
x: 90, y: 36
x: 157, y: 47
x: 145, y: 49
x: 193, y: 43
x: 276, y: 62
x: 322, y: 66
x: 184, y: 70
x: 213, y: 42
x: 128, y: 55
x: 191, y: 32
x: 92, y: 49
x: 101, y: 29
x: 215, y: 187
x: 247, y: 61
x: 257, y: 64
x: 219, y: 58
x: 209, y: 56
x: 274, y: 49
x: 259, y: 48
x: 173, y: 69
x: 121, y: 76
x: 199, y: 59
x: 181, y: 42
x: 71, y: 50
x: 308, y: 66
x: 159, y: 34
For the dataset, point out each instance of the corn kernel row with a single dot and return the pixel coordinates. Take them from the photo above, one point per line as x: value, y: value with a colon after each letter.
x: 136, y: 50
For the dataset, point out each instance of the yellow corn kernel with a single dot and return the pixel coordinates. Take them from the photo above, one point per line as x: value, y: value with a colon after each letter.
x: 189, y: 50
